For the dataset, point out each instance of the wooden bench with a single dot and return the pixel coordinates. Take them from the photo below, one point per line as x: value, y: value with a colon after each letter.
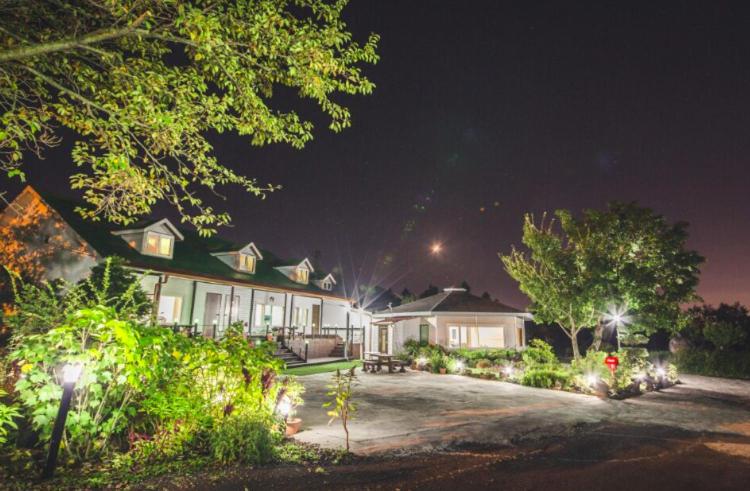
x: 370, y: 366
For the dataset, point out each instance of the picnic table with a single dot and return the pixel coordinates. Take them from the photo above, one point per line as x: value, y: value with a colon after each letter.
x: 374, y: 362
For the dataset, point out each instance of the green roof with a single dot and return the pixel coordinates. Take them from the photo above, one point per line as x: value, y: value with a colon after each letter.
x: 192, y: 256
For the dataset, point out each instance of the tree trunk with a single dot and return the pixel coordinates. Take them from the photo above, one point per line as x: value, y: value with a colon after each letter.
x: 598, y: 333
x: 574, y: 343
x: 346, y: 430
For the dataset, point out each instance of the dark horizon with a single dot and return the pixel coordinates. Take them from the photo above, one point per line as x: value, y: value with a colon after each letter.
x: 484, y: 111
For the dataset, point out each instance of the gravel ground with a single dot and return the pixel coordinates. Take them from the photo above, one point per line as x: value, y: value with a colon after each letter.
x: 416, y: 411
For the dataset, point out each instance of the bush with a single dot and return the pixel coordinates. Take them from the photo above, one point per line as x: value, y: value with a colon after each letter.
x: 243, y: 438
x: 8, y: 414
x: 141, y: 386
x: 437, y: 361
x: 539, y: 353
x: 724, y: 335
x: 731, y: 364
x: 547, y: 377
x: 591, y: 364
x: 483, y: 363
x: 497, y: 356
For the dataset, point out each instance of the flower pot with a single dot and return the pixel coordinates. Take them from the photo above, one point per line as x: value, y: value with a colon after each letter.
x: 442, y: 371
x: 293, y: 426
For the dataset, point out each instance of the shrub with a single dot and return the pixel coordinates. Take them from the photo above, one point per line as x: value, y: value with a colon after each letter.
x: 547, y: 377
x: 104, y: 397
x: 539, y: 353
x: 437, y: 361
x: 732, y: 364
x: 243, y: 438
x: 8, y: 413
x: 591, y: 364
x: 483, y: 363
x: 724, y: 335
x: 412, y: 347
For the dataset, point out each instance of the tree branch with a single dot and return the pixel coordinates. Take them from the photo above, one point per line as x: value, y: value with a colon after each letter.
x: 71, y: 43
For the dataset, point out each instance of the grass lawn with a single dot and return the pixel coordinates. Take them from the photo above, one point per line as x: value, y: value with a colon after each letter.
x: 326, y: 367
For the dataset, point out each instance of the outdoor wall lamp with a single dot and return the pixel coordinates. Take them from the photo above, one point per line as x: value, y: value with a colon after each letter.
x: 70, y: 374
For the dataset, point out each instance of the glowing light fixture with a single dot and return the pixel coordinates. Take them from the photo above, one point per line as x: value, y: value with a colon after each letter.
x: 616, y: 317
x: 436, y: 248
x: 591, y: 379
x: 508, y: 370
x: 72, y: 372
x: 285, y: 407
x: 421, y: 361
x: 459, y: 365
x: 660, y: 372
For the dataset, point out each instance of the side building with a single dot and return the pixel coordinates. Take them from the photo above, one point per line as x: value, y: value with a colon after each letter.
x: 196, y: 283
x: 453, y: 318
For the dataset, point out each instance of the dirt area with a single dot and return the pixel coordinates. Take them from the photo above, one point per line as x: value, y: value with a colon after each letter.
x: 595, y: 457
x: 420, y: 431
x: 417, y: 412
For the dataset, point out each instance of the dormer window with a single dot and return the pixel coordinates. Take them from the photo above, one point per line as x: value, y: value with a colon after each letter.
x: 326, y: 285
x: 157, y: 239
x: 246, y: 262
x: 303, y: 275
x: 158, y: 244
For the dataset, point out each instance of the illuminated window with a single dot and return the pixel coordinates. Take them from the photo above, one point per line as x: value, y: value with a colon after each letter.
x: 303, y: 275
x: 158, y: 244
x: 301, y: 317
x: 169, y: 310
x: 246, y: 263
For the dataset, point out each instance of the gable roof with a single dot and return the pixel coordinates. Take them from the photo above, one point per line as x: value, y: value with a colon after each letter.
x: 253, y: 249
x: 150, y: 225
x: 451, y: 300
x: 192, y: 256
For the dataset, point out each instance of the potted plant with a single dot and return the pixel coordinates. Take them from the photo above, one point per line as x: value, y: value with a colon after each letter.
x: 438, y: 362
x: 291, y: 397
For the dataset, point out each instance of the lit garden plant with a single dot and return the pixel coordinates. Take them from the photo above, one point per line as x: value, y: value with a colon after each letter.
x: 145, y: 390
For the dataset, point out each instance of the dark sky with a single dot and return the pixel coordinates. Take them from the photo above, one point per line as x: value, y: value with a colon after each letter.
x: 514, y: 107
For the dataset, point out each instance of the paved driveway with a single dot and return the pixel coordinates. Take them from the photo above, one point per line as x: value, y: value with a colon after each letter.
x: 415, y: 411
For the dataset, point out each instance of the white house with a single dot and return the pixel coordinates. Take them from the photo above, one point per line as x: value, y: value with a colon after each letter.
x: 453, y: 319
x: 200, y: 283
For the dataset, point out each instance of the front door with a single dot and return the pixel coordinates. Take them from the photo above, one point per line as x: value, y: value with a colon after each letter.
x: 453, y: 339
x: 212, y: 314
x: 383, y: 340
x: 316, y: 319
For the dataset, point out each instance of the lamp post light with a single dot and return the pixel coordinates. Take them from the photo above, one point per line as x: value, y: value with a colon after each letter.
x: 70, y: 375
x: 616, y: 317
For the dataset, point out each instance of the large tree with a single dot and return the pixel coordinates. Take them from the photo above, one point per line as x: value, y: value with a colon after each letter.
x: 625, y: 260
x: 144, y: 82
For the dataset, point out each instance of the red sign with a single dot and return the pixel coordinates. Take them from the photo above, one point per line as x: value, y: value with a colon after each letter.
x: 612, y: 362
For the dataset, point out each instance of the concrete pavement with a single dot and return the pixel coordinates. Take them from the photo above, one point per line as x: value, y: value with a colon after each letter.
x: 417, y: 411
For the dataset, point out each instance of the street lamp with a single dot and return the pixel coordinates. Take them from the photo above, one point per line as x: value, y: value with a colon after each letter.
x: 70, y: 374
x: 616, y: 317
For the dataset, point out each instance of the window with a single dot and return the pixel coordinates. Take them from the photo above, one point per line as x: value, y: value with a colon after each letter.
x: 519, y: 336
x: 246, y: 263
x: 271, y: 315
x: 424, y: 333
x: 158, y: 244
x: 327, y: 285
x: 301, y: 317
x: 169, y: 310
x: 303, y: 275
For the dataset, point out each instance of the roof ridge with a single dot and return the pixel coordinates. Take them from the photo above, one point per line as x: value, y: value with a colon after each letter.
x: 445, y: 295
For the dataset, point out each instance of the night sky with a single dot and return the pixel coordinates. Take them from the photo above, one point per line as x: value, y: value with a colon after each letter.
x: 486, y: 110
